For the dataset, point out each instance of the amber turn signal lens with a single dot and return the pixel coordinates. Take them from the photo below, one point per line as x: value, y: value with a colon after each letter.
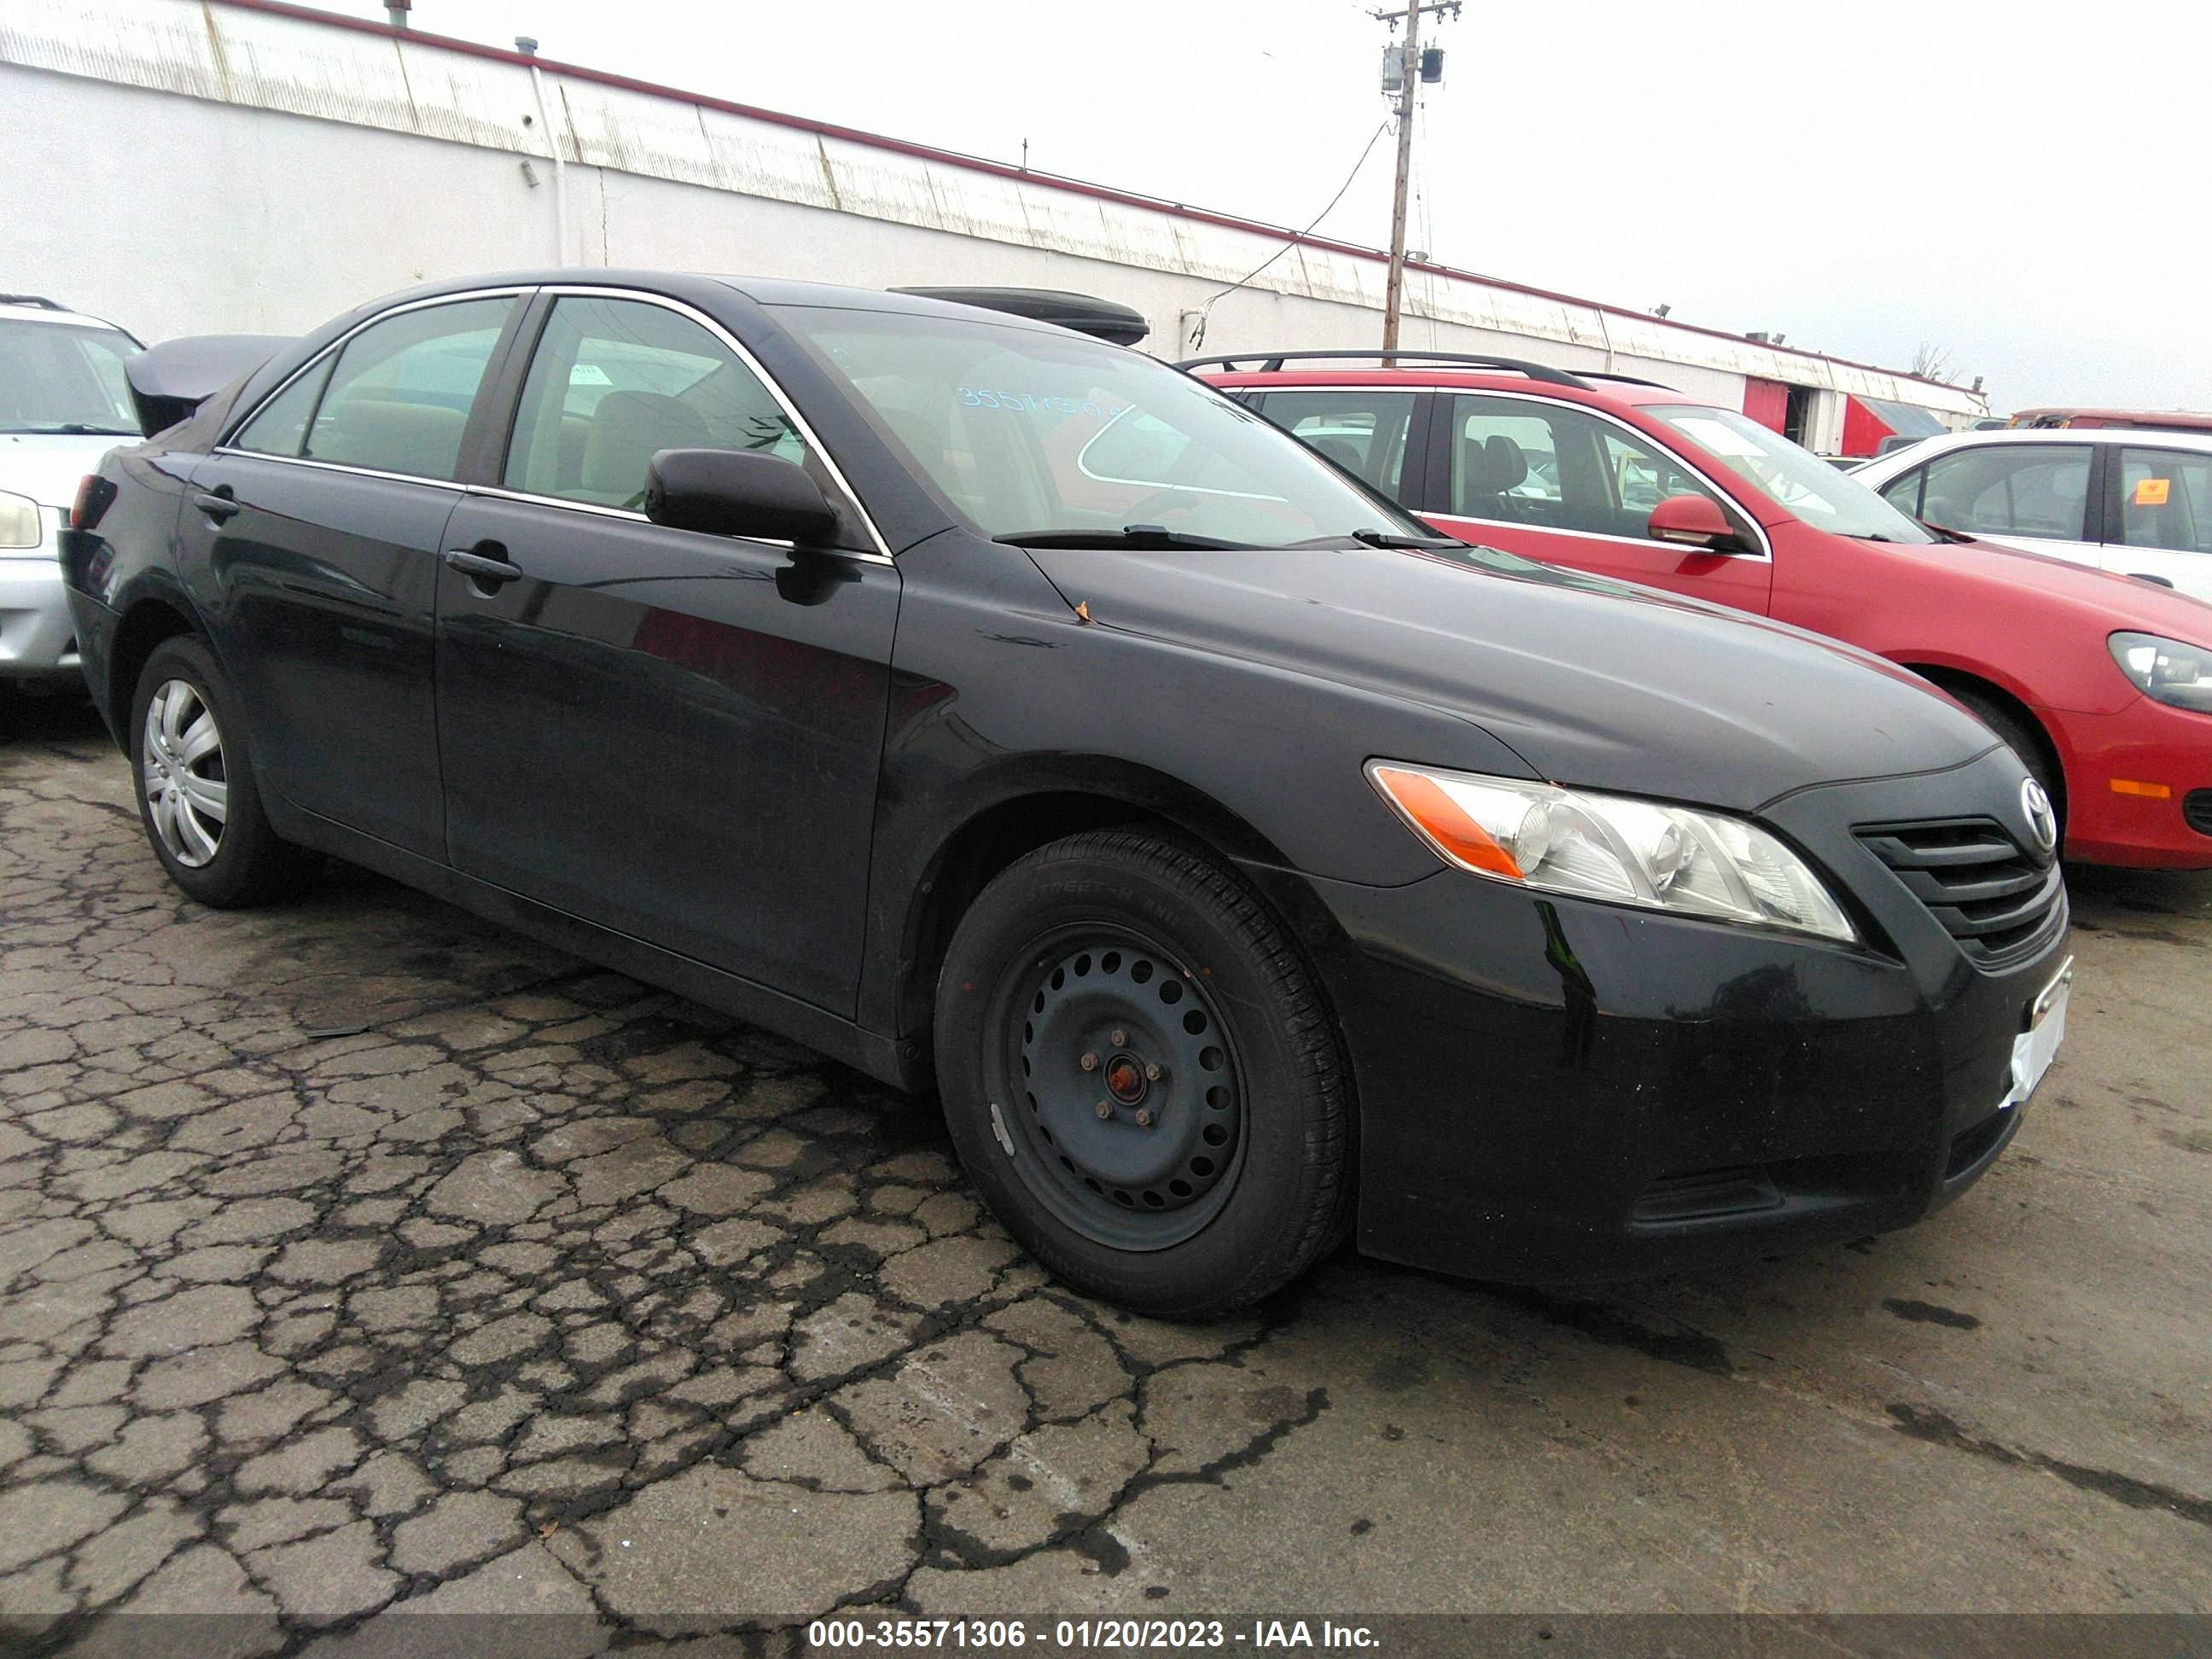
x: 2147, y: 791
x: 1436, y: 815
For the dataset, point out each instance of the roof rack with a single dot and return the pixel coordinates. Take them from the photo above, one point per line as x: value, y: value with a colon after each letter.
x: 1272, y: 360
x: 1625, y: 380
x: 37, y: 300
x: 1104, y: 319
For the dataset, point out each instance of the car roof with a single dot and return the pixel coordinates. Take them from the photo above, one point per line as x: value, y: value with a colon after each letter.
x: 25, y: 309
x: 2135, y: 437
x: 2061, y: 419
x: 1595, y: 388
x: 762, y: 290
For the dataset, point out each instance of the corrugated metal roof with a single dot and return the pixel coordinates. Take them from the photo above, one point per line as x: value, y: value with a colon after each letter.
x: 275, y: 56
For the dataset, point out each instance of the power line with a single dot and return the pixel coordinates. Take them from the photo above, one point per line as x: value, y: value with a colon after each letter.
x: 1198, y: 336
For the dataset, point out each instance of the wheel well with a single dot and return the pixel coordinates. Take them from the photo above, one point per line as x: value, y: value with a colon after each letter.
x: 1973, y: 688
x: 143, y: 628
x: 994, y: 838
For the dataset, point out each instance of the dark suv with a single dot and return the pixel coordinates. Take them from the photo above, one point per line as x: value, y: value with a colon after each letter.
x: 986, y: 705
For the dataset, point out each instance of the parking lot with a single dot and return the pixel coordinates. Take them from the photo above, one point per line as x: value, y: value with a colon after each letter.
x: 356, y: 1254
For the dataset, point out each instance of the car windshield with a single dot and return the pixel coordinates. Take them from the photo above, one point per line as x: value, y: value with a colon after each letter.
x: 64, y: 377
x: 1029, y: 434
x: 1791, y: 476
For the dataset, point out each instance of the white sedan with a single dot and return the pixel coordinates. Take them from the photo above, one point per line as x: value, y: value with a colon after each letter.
x: 63, y: 404
x: 2135, y: 501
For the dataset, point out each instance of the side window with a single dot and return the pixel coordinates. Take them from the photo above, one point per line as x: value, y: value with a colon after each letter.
x: 2166, y: 500
x: 1903, y: 493
x: 1505, y: 461
x: 281, y: 428
x: 398, y: 397
x: 1554, y: 468
x: 2010, y: 489
x: 1642, y: 476
x: 612, y: 381
x: 1362, y: 431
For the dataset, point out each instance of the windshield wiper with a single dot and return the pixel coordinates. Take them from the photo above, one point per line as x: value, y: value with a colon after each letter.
x: 1133, y: 535
x: 1943, y: 531
x: 71, y: 430
x: 1396, y: 539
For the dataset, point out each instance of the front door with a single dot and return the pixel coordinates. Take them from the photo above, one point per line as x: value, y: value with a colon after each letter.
x: 2034, y: 496
x: 1553, y: 481
x: 676, y: 736
x: 319, y: 526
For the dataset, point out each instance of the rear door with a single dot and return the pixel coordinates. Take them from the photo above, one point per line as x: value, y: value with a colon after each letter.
x: 318, y: 529
x: 2157, y: 518
x: 1379, y: 433
x: 1553, y: 481
x: 673, y: 735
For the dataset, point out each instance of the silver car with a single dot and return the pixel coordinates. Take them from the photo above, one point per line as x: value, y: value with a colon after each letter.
x: 63, y: 404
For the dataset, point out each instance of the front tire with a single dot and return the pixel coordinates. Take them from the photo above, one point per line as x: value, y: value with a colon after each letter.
x: 1142, y: 1077
x: 2026, y: 742
x: 197, y: 797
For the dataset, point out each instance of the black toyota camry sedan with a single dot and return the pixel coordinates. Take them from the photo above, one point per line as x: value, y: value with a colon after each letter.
x: 988, y: 706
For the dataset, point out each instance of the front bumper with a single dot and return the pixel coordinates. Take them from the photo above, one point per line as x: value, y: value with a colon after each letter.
x: 37, y: 637
x: 2150, y: 743
x: 1552, y: 1089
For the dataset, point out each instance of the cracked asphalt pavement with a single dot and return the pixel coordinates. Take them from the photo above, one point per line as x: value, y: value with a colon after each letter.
x: 358, y: 1257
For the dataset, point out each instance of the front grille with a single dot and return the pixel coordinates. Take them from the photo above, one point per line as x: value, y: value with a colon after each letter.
x: 2197, y: 810
x: 1975, y: 879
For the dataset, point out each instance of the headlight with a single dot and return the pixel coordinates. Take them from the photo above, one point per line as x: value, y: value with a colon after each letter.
x: 1607, y: 847
x: 2165, y: 669
x: 19, y: 521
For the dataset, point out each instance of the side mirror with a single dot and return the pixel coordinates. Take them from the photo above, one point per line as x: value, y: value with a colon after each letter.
x: 735, y: 492
x: 1695, y: 521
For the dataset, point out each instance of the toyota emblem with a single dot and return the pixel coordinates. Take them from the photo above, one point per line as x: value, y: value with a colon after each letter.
x: 2042, y: 819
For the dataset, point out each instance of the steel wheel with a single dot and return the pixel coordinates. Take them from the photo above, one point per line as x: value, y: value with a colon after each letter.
x: 1132, y: 1118
x: 180, y: 760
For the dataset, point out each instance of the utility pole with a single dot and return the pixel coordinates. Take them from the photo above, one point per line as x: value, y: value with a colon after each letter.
x: 1409, y: 78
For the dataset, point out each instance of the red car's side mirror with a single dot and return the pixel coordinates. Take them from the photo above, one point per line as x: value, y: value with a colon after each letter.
x: 1695, y: 521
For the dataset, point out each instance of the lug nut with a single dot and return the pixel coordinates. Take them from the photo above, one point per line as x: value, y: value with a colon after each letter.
x: 1151, y: 1073
x: 1119, y: 1039
x: 1105, y: 1109
x: 1143, y: 1117
x: 1089, y: 1062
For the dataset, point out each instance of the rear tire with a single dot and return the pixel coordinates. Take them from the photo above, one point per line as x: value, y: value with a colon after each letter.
x: 1125, y: 971
x: 197, y: 797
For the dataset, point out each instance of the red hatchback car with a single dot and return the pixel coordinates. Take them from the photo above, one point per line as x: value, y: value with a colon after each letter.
x: 2101, y: 683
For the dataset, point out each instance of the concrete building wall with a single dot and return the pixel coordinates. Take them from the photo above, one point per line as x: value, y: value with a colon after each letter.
x: 188, y: 168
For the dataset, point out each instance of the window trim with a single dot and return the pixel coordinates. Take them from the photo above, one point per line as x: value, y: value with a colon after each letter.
x: 1440, y: 479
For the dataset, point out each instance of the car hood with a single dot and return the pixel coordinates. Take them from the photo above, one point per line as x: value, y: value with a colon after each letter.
x: 1592, y: 681
x: 47, y: 466
x: 2117, y: 600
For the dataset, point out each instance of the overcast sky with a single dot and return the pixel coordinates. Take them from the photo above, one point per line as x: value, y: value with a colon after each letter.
x: 2020, y: 184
